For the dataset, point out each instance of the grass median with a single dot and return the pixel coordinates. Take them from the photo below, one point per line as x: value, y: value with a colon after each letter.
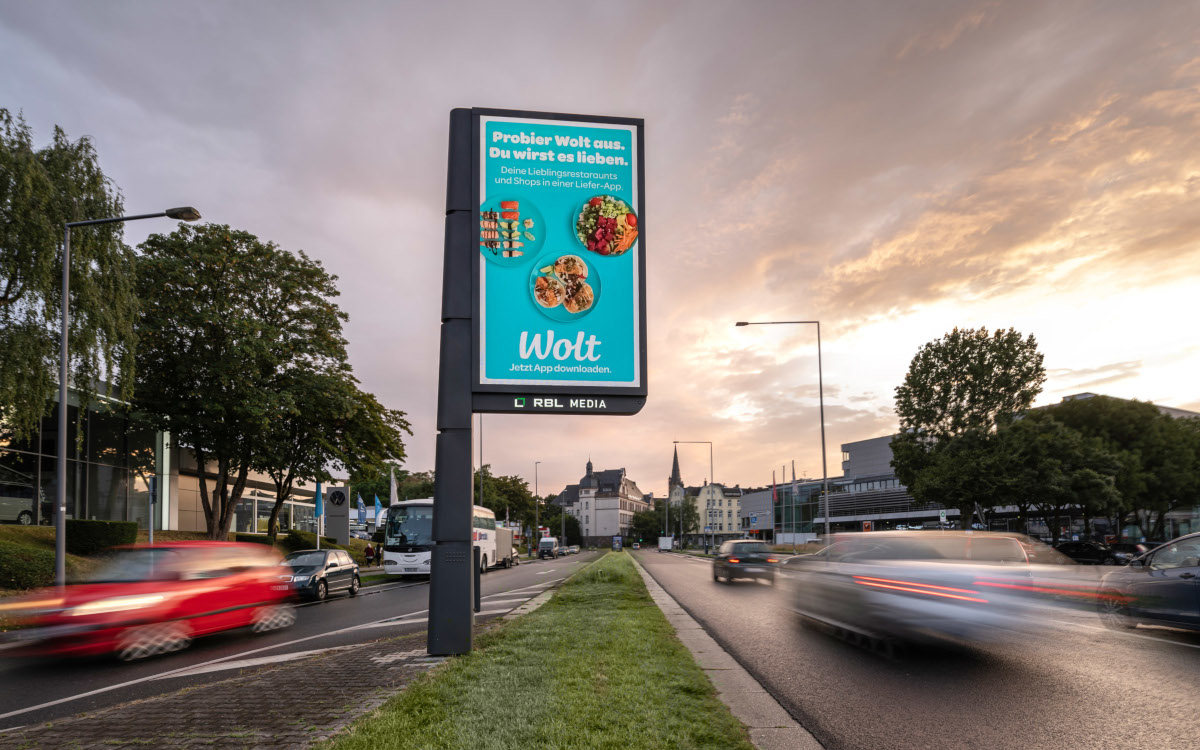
x: 598, y: 666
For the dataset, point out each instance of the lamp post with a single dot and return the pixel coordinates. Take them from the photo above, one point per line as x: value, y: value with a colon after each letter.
x: 537, y: 511
x: 711, y: 477
x: 821, y: 396
x: 182, y: 213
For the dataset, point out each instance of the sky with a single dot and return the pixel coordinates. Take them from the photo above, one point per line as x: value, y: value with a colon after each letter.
x: 893, y: 169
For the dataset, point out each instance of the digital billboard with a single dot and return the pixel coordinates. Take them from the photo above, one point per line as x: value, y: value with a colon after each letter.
x: 560, y: 264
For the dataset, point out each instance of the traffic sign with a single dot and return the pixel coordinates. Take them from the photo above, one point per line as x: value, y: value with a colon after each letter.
x: 942, y: 515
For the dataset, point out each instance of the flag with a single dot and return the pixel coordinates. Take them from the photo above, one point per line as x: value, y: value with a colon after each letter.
x: 392, y: 487
x: 362, y: 510
x: 378, y: 513
x: 774, y: 491
x: 320, y: 512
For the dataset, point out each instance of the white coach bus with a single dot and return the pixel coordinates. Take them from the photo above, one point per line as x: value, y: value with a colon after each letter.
x: 408, y: 537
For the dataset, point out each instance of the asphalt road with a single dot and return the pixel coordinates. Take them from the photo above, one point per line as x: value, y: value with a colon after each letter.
x: 39, y: 691
x: 1076, y: 685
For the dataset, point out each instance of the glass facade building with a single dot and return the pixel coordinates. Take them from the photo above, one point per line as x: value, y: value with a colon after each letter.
x: 110, y: 460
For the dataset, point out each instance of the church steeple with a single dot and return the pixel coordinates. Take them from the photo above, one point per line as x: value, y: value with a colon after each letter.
x: 676, y: 480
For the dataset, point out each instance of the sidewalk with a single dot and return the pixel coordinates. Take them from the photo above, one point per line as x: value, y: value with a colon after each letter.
x: 289, y: 706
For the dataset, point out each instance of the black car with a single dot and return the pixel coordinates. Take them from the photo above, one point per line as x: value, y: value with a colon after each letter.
x: 317, y: 573
x: 744, y: 558
x: 1162, y: 587
x: 1092, y: 553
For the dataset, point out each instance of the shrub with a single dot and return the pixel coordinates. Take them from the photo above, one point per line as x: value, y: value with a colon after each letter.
x: 298, y: 540
x: 90, y: 537
x: 25, y: 567
x: 254, y: 538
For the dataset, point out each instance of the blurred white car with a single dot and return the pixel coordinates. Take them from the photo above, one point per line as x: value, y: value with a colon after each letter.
x: 901, y: 586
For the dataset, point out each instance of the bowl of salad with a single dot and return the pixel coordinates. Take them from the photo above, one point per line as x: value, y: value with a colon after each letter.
x: 607, y: 225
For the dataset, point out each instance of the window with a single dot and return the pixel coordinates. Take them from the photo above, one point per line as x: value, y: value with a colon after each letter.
x: 343, y: 558
x: 1184, y: 554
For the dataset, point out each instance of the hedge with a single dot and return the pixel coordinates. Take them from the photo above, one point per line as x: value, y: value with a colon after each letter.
x: 89, y: 537
x: 255, y: 538
x: 25, y: 567
x: 298, y: 540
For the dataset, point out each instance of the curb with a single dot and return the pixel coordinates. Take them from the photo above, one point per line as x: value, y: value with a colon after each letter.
x: 770, y: 726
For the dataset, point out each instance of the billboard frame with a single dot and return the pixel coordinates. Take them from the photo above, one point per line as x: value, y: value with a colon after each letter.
x: 626, y: 399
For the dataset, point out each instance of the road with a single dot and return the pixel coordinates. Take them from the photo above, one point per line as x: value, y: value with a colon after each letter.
x: 1077, y: 685
x: 33, y: 692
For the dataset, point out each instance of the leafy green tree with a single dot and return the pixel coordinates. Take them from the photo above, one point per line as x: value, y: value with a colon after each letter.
x: 375, y: 482
x: 552, y: 518
x: 223, y: 314
x: 1054, y: 470
x: 325, y: 424
x: 1158, y: 456
x: 646, y: 525
x: 957, y: 392
x: 41, y: 190
x: 691, y: 516
x: 969, y: 380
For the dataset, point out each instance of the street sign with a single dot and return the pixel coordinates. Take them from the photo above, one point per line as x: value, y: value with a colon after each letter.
x: 942, y: 516
x: 559, y: 270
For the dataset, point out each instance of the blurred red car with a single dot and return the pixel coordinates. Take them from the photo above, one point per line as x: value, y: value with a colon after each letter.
x: 153, y: 599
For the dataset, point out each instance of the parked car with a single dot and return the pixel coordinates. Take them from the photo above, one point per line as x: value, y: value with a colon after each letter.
x: 1160, y: 587
x: 744, y: 558
x: 548, y: 547
x: 574, y: 549
x: 1131, y: 550
x: 1091, y: 553
x: 147, y: 600
x: 360, y: 535
x: 317, y: 573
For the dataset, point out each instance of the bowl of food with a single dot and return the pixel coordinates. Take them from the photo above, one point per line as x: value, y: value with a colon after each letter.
x: 563, y: 287
x: 606, y: 225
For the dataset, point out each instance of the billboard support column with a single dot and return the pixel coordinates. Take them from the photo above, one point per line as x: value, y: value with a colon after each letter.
x: 451, y: 584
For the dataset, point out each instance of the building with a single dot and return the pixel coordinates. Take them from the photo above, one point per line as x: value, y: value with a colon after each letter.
x: 111, y: 458
x: 868, y: 492
x: 604, y: 503
x: 716, y: 505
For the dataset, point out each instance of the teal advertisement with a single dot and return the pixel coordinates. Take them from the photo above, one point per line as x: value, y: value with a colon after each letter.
x: 559, y: 244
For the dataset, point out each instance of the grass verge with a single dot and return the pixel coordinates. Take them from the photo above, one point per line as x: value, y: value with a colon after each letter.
x: 598, y: 666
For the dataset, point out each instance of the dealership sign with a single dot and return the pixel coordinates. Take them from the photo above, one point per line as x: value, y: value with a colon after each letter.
x: 559, y: 263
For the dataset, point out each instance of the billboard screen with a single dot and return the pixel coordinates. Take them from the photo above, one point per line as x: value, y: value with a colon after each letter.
x: 560, y: 266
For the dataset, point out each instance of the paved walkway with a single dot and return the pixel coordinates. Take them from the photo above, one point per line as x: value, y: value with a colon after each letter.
x: 289, y: 706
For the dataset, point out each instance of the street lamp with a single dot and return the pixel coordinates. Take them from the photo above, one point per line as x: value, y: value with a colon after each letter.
x: 182, y: 213
x: 821, y: 396
x: 711, y: 477
x: 537, y: 511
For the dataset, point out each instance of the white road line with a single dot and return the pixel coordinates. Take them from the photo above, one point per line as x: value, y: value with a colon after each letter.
x: 260, y: 661
x: 544, y: 572
x: 1130, y: 635
x: 223, y: 659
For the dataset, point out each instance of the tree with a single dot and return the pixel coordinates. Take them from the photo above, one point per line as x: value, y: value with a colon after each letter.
x: 223, y: 314
x: 646, y: 525
x: 969, y: 380
x: 41, y: 190
x: 552, y: 518
x: 325, y: 424
x: 1157, y: 456
x: 957, y: 392
x: 1054, y: 470
x: 375, y: 482
x: 690, y: 516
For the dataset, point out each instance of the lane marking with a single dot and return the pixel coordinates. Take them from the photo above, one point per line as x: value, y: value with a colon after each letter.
x: 544, y: 572
x: 231, y: 657
x: 260, y: 661
x: 1130, y: 635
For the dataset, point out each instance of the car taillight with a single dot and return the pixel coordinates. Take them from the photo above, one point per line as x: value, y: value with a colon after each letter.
x: 772, y: 560
x: 913, y: 587
x: 734, y: 560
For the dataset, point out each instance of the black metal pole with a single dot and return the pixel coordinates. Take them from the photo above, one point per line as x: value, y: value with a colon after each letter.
x: 451, y: 582
x: 60, y: 506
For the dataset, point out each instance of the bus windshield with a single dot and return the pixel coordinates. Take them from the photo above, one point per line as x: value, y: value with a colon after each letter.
x: 409, y: 525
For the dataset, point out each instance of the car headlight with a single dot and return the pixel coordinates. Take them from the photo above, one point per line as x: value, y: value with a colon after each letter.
x: 116, y: 604
x: 300, y: 579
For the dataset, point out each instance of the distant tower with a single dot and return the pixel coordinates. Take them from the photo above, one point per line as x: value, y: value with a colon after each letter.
x: 676, y: 480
